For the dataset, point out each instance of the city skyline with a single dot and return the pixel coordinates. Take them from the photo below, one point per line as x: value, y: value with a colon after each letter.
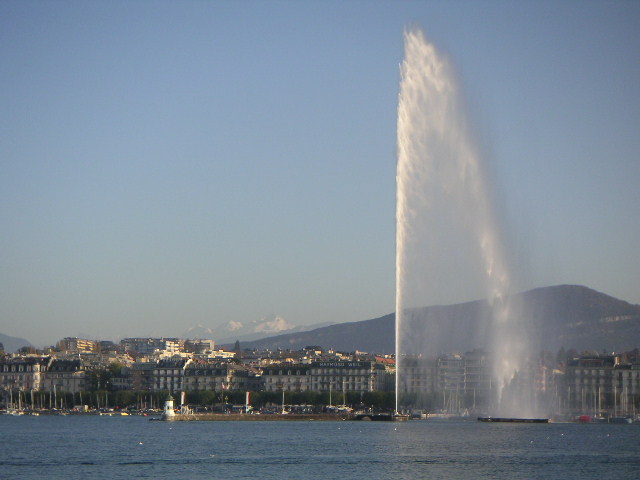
x: 171, y: 165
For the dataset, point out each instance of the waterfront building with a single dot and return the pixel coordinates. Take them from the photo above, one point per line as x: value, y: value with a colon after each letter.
x: 477, y: 374
x: 246, y: 378
x: 385, y: 374
x: 286, y: 377
x: 598, y: 384
x: 141, y: 373
x: 189, y: 375
x: 65, y: 376
x: 169, y: 374
x: 207, y: 376
x: 22, y: 373
x: 418, y: 375
x: 459, y: 381
x: 342, y: 376
x: 450, y: 371
x: 349, y: 376
x: 603, y: 384
x: 122, y: 380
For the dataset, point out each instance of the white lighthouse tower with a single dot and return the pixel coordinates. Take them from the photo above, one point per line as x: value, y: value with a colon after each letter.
x: 169, y: 412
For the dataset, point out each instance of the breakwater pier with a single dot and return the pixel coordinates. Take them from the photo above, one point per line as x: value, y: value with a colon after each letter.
x: 226, y: 417
x: 247, y: 417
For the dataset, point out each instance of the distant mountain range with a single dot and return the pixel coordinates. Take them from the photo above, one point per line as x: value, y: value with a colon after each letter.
x: 12, y: 344
x: 231, y: 331
x: 568, y: 316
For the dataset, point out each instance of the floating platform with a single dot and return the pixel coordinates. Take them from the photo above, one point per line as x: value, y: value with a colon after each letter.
x: 381, y: 417
x: 513, y: 420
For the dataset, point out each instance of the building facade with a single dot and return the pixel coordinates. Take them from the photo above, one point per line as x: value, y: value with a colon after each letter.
x: 207, y: 376
x: 23, y: 373
x: 602, y: 385
x: 65, y: 376
x: 77, y: 345
x: 328, y: 376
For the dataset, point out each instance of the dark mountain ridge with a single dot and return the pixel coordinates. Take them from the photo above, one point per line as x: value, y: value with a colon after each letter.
x: 569, y: 316
x: 13, y: 344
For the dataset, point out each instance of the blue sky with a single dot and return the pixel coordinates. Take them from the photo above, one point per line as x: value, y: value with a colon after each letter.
x: 168, y: 164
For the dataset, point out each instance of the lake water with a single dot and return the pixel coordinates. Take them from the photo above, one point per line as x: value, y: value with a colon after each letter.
x: 133, y: 447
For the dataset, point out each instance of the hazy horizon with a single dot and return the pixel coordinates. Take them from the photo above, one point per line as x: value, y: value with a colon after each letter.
x: 247, y: 333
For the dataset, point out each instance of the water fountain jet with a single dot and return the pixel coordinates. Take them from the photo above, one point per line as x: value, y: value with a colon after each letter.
x: 446, y: 230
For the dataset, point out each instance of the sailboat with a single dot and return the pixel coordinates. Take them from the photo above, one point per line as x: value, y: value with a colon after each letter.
x: 12, y: 410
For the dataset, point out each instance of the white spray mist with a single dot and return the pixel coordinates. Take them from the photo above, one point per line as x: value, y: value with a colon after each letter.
x: 447, y: 237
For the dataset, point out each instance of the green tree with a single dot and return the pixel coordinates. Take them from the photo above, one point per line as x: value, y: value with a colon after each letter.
x: 115, y: 368
x: 125, y: 399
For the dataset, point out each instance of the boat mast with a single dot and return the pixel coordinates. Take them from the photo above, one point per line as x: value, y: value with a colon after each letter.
x: 330, y: 385
x: 344, y: 395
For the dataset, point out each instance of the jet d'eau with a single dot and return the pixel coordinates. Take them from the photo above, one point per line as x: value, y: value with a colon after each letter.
x: 447, y: 230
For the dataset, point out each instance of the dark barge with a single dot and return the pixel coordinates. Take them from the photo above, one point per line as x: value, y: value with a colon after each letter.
x: 513, y: 420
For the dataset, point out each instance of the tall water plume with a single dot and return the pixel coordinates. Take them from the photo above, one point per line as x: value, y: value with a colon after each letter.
x: 447, y: 237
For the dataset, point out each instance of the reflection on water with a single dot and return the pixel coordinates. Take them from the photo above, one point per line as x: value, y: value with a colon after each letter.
x: 118, y: 448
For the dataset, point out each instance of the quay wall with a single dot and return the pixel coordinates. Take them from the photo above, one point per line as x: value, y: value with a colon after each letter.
x: 222, y: 417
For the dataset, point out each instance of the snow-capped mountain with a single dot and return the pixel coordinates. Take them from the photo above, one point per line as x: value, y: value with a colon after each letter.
x: 234, y: 330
